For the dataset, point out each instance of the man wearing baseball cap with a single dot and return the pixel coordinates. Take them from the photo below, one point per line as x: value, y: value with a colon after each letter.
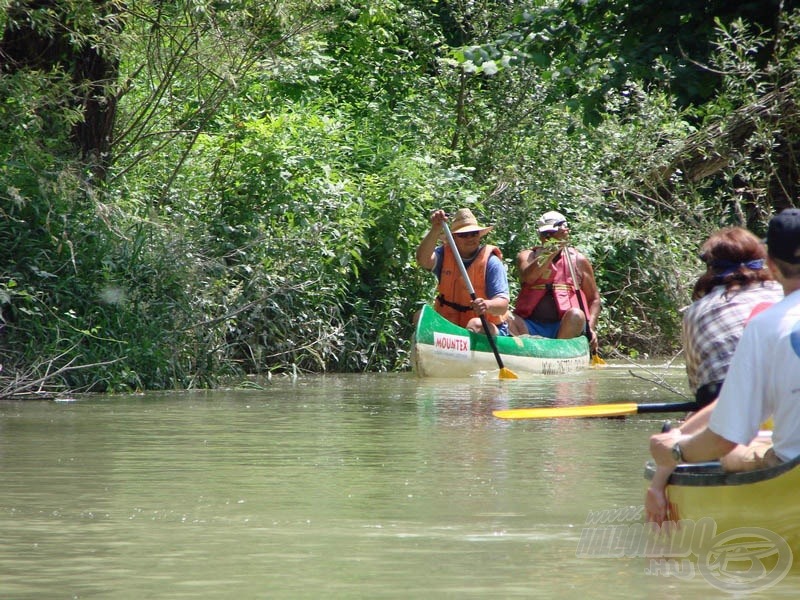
x: 763, y: 380
x: 558, y: 297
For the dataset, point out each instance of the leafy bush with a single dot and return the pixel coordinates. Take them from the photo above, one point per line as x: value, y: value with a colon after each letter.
x: 271, y: 175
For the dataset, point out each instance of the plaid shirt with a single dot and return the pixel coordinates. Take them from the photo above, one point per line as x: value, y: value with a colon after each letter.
x: 713, y: 325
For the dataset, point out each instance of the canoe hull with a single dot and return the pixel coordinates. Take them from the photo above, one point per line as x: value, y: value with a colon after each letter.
x: 441, y: 349
x: 765, y: 499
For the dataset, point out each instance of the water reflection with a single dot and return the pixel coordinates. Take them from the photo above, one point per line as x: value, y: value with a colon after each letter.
x: 357, y: 486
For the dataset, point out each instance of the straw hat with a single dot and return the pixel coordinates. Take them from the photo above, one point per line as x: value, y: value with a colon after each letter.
x: 464, y: 221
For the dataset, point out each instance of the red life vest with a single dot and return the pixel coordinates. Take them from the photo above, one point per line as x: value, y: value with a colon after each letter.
x: 454, y: 302
x: 558, y: 282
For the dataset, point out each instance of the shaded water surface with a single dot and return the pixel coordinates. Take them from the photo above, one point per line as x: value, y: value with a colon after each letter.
x: 366, y: 486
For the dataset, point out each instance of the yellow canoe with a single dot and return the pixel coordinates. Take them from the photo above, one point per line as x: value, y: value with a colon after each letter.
x: 765, y: 498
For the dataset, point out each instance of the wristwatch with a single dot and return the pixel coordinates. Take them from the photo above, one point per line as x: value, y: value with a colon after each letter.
x: 677, y: 453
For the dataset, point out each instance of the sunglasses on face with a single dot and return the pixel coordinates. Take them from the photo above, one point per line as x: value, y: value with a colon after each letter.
x: 468, y: 234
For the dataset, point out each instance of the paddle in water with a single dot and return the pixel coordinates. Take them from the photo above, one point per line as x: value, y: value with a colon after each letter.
x: 504, y: 373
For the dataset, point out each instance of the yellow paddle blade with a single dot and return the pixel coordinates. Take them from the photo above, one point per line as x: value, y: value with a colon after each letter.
x: 598, y: 362
x: 551, y: 412
x: 507, y: 374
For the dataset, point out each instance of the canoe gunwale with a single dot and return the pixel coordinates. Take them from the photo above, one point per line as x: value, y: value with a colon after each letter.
x: 711, y: 474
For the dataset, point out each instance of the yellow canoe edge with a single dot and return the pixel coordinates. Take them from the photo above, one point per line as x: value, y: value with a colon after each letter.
x: 743, y: 504
x: 711, y: 474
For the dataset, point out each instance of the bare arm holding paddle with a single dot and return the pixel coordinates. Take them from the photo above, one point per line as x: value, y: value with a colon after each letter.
x: 426, y: 257
x: 532, y: 263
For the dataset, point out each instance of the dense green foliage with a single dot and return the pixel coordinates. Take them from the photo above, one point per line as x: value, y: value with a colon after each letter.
x: 244, y: 188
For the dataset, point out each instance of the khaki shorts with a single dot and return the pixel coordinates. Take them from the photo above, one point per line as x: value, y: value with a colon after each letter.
x: 759, y: 454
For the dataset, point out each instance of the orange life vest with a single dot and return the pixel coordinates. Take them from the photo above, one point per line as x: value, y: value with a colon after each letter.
x: 454, y: 302
x: 558, y: 282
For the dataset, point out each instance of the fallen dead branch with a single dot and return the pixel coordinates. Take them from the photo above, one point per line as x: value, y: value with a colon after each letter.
x: 43, y: 380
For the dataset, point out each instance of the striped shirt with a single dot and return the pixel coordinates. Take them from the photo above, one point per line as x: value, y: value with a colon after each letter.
x: 713, y: 325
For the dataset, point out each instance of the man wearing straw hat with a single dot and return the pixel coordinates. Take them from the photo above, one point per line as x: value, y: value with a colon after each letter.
x: 484, y: 265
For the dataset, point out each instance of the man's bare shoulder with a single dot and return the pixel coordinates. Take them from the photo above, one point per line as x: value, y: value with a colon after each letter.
x: 582, y: 258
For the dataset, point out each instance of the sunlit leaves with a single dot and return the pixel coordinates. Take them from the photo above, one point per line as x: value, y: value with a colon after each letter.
x: 275, y: 164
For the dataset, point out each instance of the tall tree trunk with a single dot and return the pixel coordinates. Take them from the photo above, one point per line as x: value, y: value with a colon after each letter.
x: 95, y: 77
x: 60, y: 46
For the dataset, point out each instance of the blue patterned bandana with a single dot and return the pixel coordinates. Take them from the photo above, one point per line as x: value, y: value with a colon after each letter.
x: 727, y: 267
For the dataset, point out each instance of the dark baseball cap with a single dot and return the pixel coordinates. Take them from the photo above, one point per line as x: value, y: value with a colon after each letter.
x: 783, y: 236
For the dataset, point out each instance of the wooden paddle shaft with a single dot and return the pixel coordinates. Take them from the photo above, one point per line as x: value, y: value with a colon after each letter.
x: 577, y: 287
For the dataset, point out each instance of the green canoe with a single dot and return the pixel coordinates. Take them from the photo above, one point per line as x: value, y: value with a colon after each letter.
x: 442, y: 349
